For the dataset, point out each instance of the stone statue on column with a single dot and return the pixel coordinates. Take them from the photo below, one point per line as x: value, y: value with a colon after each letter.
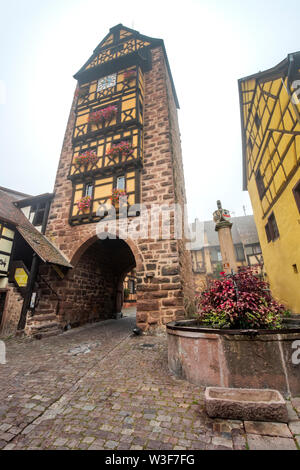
x: 223, y: 227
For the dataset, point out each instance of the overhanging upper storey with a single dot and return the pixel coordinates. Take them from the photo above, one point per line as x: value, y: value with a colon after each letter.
x: 269, y: 112
x: 270, y: 123
x: 121, y: 48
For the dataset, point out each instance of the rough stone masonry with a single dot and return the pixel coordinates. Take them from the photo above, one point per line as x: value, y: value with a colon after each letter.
x: 163, y: 267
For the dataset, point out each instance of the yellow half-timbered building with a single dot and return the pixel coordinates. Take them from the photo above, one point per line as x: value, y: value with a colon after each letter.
x: 271, y: 171
x: 108, y: 130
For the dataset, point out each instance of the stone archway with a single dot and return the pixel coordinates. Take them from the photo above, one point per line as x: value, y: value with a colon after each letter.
x: 95, y: 284
x: 93, y: 289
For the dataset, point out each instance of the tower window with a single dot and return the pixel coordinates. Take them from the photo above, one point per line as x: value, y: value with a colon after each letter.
x: 107, y: 82
x: 260, y: 184
x: 121, y: 183
x: 89, y: 190
x: 296, y: 192
x: 271, y: 228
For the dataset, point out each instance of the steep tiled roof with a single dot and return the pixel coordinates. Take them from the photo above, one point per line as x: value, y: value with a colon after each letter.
x: 38, y: 242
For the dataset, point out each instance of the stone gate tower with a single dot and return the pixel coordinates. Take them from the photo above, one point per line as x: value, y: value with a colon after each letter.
x: 122, y: 135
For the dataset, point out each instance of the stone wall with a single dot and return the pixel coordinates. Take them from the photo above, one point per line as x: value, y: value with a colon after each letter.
x: 163, y: 267
x: 86, y: 294
x: 12, y: 311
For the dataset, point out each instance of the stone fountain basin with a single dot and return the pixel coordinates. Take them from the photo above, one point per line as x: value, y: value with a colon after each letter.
x: 243, y: 359
x: 245, y: 404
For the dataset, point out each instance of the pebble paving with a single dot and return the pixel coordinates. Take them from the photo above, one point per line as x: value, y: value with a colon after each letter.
x: 102, y: 387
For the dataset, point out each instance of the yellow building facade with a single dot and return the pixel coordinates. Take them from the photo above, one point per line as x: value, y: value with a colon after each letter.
x: 271, y: 171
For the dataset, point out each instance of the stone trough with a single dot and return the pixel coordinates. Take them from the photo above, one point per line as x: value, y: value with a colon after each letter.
x: 246, y: 359
x: 245, y: 404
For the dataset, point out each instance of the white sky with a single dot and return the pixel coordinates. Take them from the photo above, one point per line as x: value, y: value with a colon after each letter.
x: 210, y: 44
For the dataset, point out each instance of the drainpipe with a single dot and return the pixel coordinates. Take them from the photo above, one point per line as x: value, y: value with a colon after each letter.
x: 29, y: 289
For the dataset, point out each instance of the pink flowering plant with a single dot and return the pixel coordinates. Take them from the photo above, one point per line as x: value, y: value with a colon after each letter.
x: 129, y: 74
x: 239, y: 301
x: 84, y: 203
x: 116, y: 195
x: 103, y: 115
x: 123, y: 148
x: 85, y: 158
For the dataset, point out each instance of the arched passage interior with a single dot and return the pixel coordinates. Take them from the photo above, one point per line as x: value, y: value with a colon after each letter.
x: 95, y: 284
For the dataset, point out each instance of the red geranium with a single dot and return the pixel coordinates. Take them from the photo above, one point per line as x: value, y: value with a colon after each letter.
x: 87, y: 157
x: 116, y: 195
x: 240, y: 301
x: 123, y: 148
x: 84, y: 203
x: 102, y: 115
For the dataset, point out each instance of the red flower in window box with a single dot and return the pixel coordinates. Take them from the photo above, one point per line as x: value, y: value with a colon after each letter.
x: 129, y: 75
x: 116, y: 195
x: 123, y: 148
x: 85, y: 158
x: 103, y: 115
x: 84, y: 203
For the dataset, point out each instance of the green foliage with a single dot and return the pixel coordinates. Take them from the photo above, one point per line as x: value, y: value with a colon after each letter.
x: 217, y: 320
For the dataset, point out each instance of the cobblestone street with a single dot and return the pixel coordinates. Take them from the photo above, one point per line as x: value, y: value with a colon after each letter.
x: 101, y: 387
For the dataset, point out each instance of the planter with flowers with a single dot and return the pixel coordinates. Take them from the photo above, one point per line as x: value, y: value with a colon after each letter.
x: 129, y: 75
x: 86, y: 158
x: 117, y: 194
x: 103, y: 115
x: 84, y: 204
x: 123, y: 149
x: 240, y: 338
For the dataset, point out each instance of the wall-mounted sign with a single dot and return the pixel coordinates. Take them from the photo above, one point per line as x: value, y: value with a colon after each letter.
x: 21, y: 277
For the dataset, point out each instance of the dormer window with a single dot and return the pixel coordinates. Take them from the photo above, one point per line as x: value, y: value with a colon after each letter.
x: 37, y: 213
x: 107, y: 82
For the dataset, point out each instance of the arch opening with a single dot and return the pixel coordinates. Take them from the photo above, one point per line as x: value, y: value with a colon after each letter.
x: 96, y: 284
x: 93, y: 290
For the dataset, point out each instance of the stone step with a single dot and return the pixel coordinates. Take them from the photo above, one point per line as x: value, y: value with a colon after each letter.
x: 47, y: 333
x: 43, y: 318
x: 293, y: 320
x: 45, y: 326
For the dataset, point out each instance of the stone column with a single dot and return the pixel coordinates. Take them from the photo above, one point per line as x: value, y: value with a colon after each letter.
x: 223, y: 227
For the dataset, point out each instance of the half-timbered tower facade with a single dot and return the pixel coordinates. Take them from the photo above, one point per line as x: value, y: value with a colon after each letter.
x: 122, y: 138
x: 271, y: 160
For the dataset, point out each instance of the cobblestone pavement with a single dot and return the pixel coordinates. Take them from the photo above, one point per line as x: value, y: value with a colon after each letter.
x: 100, y: 387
